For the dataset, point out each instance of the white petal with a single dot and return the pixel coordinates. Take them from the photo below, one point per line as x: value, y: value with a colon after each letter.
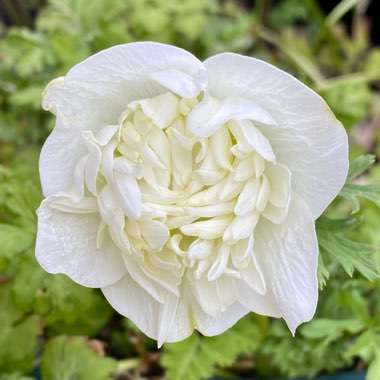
x: 214, y: 297
x: 208, y: 325
x: 67, y: 243
x: 241, y: 252
x: 260, y: 304
x: 263, y: 194
x: 136, y: 270
x: 220, y: 263
x: 279, y: 177
x: 166, y: 318
x: 208, y: 229
x: 253, y: 276
x: 257, y: 140
x: 152, y: 317
x: 126, y: 167
x: 181, y: 83
x: 92, y: 162
x: 87, y: 205
x: 59, y: 156
x: 247, y: 198
x: 101, y: 86
x: 241, y: 227
x: 200, y: 249
x: 220, y: 145
x: 129, y: 195
x: 306, y: 138
x: 275, y: 214
x: 288, y: 255
x: 154, y: 233
x: 162, y: 109
x: 210, y: 114
x: 113, y: 216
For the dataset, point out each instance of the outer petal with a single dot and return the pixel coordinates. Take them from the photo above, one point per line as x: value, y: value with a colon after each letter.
x: 59, y: 156
x: 288, y: 254
x: 100, y: 87
x: 209, y: 325
x: 307, y: 138
x: 66, y: 243
x: 167, y: 321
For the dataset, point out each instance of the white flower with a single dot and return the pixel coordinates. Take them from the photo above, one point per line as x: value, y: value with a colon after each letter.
x: 187, y: 191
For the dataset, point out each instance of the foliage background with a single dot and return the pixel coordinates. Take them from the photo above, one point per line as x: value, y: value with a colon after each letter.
x: 53, y: 329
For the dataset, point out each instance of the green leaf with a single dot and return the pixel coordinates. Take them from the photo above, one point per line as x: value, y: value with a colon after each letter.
x: 373, y: 372
x: 350, y: 254
x: 352, y: 192
x: 18, y: 335
x: 349, y: 101
x: 14, y: 240
x: 332, y: 328
x: 15, y: 376
x: 366, y: 346
x: 359, y: 165
x: 324, y: 223
x: 70, y: 358
x: 323, y: 273
x: 66, y: 306
x: 195, y: 357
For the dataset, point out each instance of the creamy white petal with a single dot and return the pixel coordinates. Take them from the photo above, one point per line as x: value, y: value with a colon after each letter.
x: 116, y: 76
x: 257, y: 140
x: 208, y: 325
x: 214, y: 297
x: 260, y: 304
x: 219, y: 265
x: 166, y: 318
x: 208, y: 229
x: 130, y: 300
x: 288, y: 255
x: 129, y: 195
x: 208, y: 116
x: 66, y: 243
x: 253, y: 275
x: 92, y: 162
x: 162, y: 109
x: 307, y: 138
x: 154, y: 233
x: 279, y: 177
x: 59, y: 156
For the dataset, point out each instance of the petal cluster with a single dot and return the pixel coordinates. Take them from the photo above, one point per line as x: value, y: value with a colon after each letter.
x: 187, y: 191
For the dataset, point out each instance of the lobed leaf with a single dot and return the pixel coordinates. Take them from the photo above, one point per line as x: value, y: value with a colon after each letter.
x: 350, y: 254
x: 71, y: 358
x: 359, y: 165
x: 195, y: 357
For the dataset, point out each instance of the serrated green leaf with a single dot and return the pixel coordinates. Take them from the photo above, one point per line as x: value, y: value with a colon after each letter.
x: 66, y: 306
x: 352, y: 192
x: 70, y: 358
x: 195, y: 358
x: 323, y: 273
x: 324, y: 223
x: 359, y: 165
x: 350, y: 254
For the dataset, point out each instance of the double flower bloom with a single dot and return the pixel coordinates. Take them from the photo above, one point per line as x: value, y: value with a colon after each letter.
x: 187, y: 191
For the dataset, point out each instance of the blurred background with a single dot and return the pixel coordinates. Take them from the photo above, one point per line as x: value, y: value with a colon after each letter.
x: 51, y: 328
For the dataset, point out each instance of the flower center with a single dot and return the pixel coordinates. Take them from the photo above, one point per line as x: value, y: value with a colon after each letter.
x: 177, y: 203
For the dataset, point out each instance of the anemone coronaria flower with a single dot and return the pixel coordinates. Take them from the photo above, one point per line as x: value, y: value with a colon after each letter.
x: 186, y: 190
